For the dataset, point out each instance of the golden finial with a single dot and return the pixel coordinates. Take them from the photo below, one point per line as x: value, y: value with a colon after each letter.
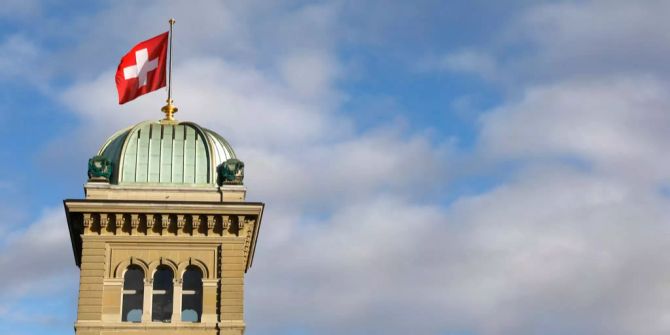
x: 169, y: 110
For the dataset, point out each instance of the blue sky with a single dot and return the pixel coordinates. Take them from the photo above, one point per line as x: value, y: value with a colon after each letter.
x: 429, y: 167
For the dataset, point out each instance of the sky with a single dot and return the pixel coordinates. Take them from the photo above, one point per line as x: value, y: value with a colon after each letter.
x: 428, y: 167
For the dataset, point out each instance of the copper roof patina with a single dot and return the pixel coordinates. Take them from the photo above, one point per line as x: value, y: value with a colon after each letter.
x: 176, y: 153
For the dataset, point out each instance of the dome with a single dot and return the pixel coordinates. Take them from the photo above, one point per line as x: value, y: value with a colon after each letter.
x: 165, y: 153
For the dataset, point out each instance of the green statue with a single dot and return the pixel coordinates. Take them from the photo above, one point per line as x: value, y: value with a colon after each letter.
x: 99, y: 168
x: 230, y: 172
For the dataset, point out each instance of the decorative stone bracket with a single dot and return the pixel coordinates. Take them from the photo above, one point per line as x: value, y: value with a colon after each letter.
x: 128, y: 224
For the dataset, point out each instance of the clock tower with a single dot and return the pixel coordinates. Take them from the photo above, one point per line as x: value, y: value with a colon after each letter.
x: 163, y: 236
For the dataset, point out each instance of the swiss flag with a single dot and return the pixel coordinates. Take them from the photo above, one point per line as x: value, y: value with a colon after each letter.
x: 142, y: 69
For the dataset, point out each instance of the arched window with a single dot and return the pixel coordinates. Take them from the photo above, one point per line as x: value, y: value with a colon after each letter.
x: 162, y: 295
x: 133, y: 294
x: 191, y: 303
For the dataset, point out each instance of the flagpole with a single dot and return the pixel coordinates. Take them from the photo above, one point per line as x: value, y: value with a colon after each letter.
x: 170, y: 109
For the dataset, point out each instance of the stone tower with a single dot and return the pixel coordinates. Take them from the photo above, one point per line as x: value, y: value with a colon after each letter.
x: 163, y: 236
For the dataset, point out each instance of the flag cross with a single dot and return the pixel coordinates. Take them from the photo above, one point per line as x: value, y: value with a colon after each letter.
x: 142, y: 67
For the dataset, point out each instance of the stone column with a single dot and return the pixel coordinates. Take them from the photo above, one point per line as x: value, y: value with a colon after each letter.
x: 148, y: 299
x: 176, y: 299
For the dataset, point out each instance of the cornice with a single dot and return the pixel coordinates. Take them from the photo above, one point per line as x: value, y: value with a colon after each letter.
x: 122, y: 220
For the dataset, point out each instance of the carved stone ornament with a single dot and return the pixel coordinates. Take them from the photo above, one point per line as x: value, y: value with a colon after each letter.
x: 99, y: 168
x: 230, y: 172
x: 157, y: 224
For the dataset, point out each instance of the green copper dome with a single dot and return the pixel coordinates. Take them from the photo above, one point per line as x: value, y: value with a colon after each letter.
x: 163, y: 153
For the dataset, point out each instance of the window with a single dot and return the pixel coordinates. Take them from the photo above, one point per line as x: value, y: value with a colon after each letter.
x: 191, y: 303
x: 133, y: 294
x: 162, y: 295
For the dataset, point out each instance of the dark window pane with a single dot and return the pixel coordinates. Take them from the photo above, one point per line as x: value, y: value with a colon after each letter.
x: 162, y: 297
x: 191, y: 304
x: 133, y: 294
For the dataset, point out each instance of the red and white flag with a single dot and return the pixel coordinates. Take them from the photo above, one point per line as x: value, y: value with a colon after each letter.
x: 142, y: 69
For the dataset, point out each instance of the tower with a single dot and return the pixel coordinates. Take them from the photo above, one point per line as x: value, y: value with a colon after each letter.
x: 164, y: 236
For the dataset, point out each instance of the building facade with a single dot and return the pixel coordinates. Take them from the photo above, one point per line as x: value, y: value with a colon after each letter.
x: 164, y: 236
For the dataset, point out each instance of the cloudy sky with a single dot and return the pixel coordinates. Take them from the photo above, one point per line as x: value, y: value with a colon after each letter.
x: 429, y: 167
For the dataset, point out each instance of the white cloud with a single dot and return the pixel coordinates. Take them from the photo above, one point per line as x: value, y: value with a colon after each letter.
x: 600, y: 35
x: 552, y: 40
x: 309, y: 74
x: 39, y: 258
x: 549, y: 251
x: 328, y: 175
x: 468, y: 61
x: 558, y: 247
x: 15, y: 10
x: 337, y: 276
x: 18, y: 58
x: 618, y: 124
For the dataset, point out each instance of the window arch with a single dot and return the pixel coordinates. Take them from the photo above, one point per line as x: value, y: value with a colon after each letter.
x: 191, y: 303
x: 162, y: 294
x: 133, y: 294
